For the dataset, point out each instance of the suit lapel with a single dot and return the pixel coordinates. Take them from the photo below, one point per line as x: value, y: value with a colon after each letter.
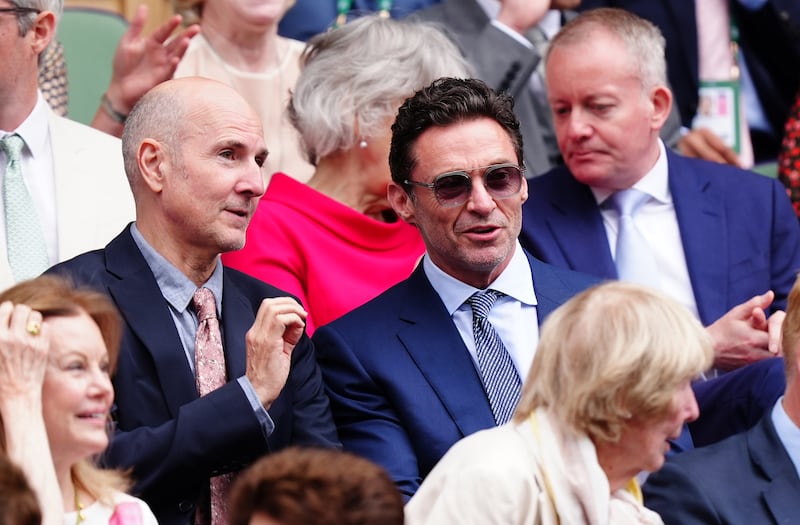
x: 767, y: 451
x: 550, y: 289
x: 237, y: 318
x: 428, y: 334
x: 701, y: 220
x: 146, y: 312
x: 576, y: 226
x: 70, y: 195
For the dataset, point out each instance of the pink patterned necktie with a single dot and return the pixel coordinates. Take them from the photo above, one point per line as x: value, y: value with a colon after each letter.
x: 210, y: 373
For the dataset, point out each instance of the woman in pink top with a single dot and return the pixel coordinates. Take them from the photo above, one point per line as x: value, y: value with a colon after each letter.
x: 336, y: 243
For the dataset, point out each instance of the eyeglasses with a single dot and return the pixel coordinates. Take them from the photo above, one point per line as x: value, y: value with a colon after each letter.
x: 453, y: 188
x: 19, y: 11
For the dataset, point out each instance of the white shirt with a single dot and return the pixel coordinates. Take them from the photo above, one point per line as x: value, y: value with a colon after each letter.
x: 657, y: 222
x: 513, y: 315
x: 39, y: 175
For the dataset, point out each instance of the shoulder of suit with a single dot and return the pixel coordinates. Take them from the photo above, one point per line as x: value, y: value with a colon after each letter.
x: 64, y: 127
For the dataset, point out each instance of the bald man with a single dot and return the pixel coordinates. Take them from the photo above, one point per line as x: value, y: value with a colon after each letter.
x: 193, y: 152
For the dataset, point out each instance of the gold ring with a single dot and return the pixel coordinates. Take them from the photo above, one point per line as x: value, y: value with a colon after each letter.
x: 33, y: 328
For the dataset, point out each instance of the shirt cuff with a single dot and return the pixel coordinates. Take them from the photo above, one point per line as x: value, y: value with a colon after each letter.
x: 513, y: 34
x: 267, y: 425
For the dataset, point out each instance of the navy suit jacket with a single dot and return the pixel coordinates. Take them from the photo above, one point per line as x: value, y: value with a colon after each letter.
x: 744, y: 480
x: 739, y: 233
x: 402, y: 384
x: 769, y: 40
x: 173, y: 439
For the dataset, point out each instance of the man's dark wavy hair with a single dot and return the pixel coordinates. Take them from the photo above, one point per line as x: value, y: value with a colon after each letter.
x: 444, y: 102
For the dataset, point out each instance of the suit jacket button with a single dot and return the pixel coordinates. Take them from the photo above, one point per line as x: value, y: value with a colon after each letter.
x: 185, y: 506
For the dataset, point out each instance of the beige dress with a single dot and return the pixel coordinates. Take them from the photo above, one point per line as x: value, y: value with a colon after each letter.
x: 267, y: 93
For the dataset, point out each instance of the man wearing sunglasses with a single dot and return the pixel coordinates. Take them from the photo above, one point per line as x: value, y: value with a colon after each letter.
x: 64, y: 189
x: 424, y: 364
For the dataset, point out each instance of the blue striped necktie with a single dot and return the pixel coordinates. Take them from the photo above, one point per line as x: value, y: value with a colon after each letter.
x: 500, y: 378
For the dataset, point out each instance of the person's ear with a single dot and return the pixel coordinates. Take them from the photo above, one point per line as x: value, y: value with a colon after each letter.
x: 402, y: 203
x: 153, y: 164
x: 661, y: 100
x: 43, y: 31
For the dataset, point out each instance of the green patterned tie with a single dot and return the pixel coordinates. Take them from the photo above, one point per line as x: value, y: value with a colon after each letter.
x: 27, y: 252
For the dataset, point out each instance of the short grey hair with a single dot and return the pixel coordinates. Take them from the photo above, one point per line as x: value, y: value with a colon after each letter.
x: 25, y: 22
x: 643, y: 41
x: 158, y: 116
x: 355, y: 77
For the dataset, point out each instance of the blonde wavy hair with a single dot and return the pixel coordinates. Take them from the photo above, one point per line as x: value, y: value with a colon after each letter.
x: 613, y: 353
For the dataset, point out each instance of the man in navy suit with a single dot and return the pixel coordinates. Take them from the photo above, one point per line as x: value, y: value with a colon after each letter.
x: 404, y: 371
x: 193, y: 154
x: 769, y: 41
x: 761, y: 464
x: 724, y: 241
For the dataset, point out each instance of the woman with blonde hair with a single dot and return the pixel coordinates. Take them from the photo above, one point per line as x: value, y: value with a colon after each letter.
x: 608, y: 388
x: 58, y: 348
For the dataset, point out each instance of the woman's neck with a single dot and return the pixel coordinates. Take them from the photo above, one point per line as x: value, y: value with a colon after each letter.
x: 344, y: 178
x: 617, y: 472
x: 67, y: 486
x: 254, y: 52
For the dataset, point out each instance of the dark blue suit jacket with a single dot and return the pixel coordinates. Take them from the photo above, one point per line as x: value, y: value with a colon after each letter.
x: 173, y: 439
x: 310, y: 17
x: 739, y: 233
x: 744, y: 480
x: 769, y: 40
x: 402, y: 385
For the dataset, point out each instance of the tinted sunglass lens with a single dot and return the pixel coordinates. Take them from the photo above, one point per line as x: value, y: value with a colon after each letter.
x: 451, y: 187
x: 504, y: 180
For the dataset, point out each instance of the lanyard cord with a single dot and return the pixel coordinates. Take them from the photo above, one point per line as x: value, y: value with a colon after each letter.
x: 344, y: 6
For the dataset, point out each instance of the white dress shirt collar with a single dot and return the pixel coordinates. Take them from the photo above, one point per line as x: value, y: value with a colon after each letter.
x: 515, y: 281
x: 655, y: 182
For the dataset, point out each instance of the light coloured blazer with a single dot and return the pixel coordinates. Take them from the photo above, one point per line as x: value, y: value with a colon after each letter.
x: 93, y: 197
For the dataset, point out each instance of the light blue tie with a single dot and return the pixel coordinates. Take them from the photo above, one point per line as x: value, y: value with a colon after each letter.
x: 26, y: 249
x: 634, y: 258
x: 500, y: 378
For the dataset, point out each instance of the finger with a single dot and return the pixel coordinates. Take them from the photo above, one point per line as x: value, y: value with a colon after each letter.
x: 744, y: 310
x: 775, y: 331
x: 137, y: 23
x: 162, y: 32
x: 714, y: 142
x: 758, y: 319
x: 19, y: 318
x: 694, y: 144
x: 293, y: 328
x: 6, y: 308
x: 271, y: 307
x: 177, y: 46
x: 34, y: 324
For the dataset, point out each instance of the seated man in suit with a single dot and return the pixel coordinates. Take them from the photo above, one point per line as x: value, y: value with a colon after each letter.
x: 64, y: 191
x: 698, y: 35
x: 763, y: 463
x: 215, y: 369
x: 423, y: 365
x: 505, y: 42
x: 712, y: 236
